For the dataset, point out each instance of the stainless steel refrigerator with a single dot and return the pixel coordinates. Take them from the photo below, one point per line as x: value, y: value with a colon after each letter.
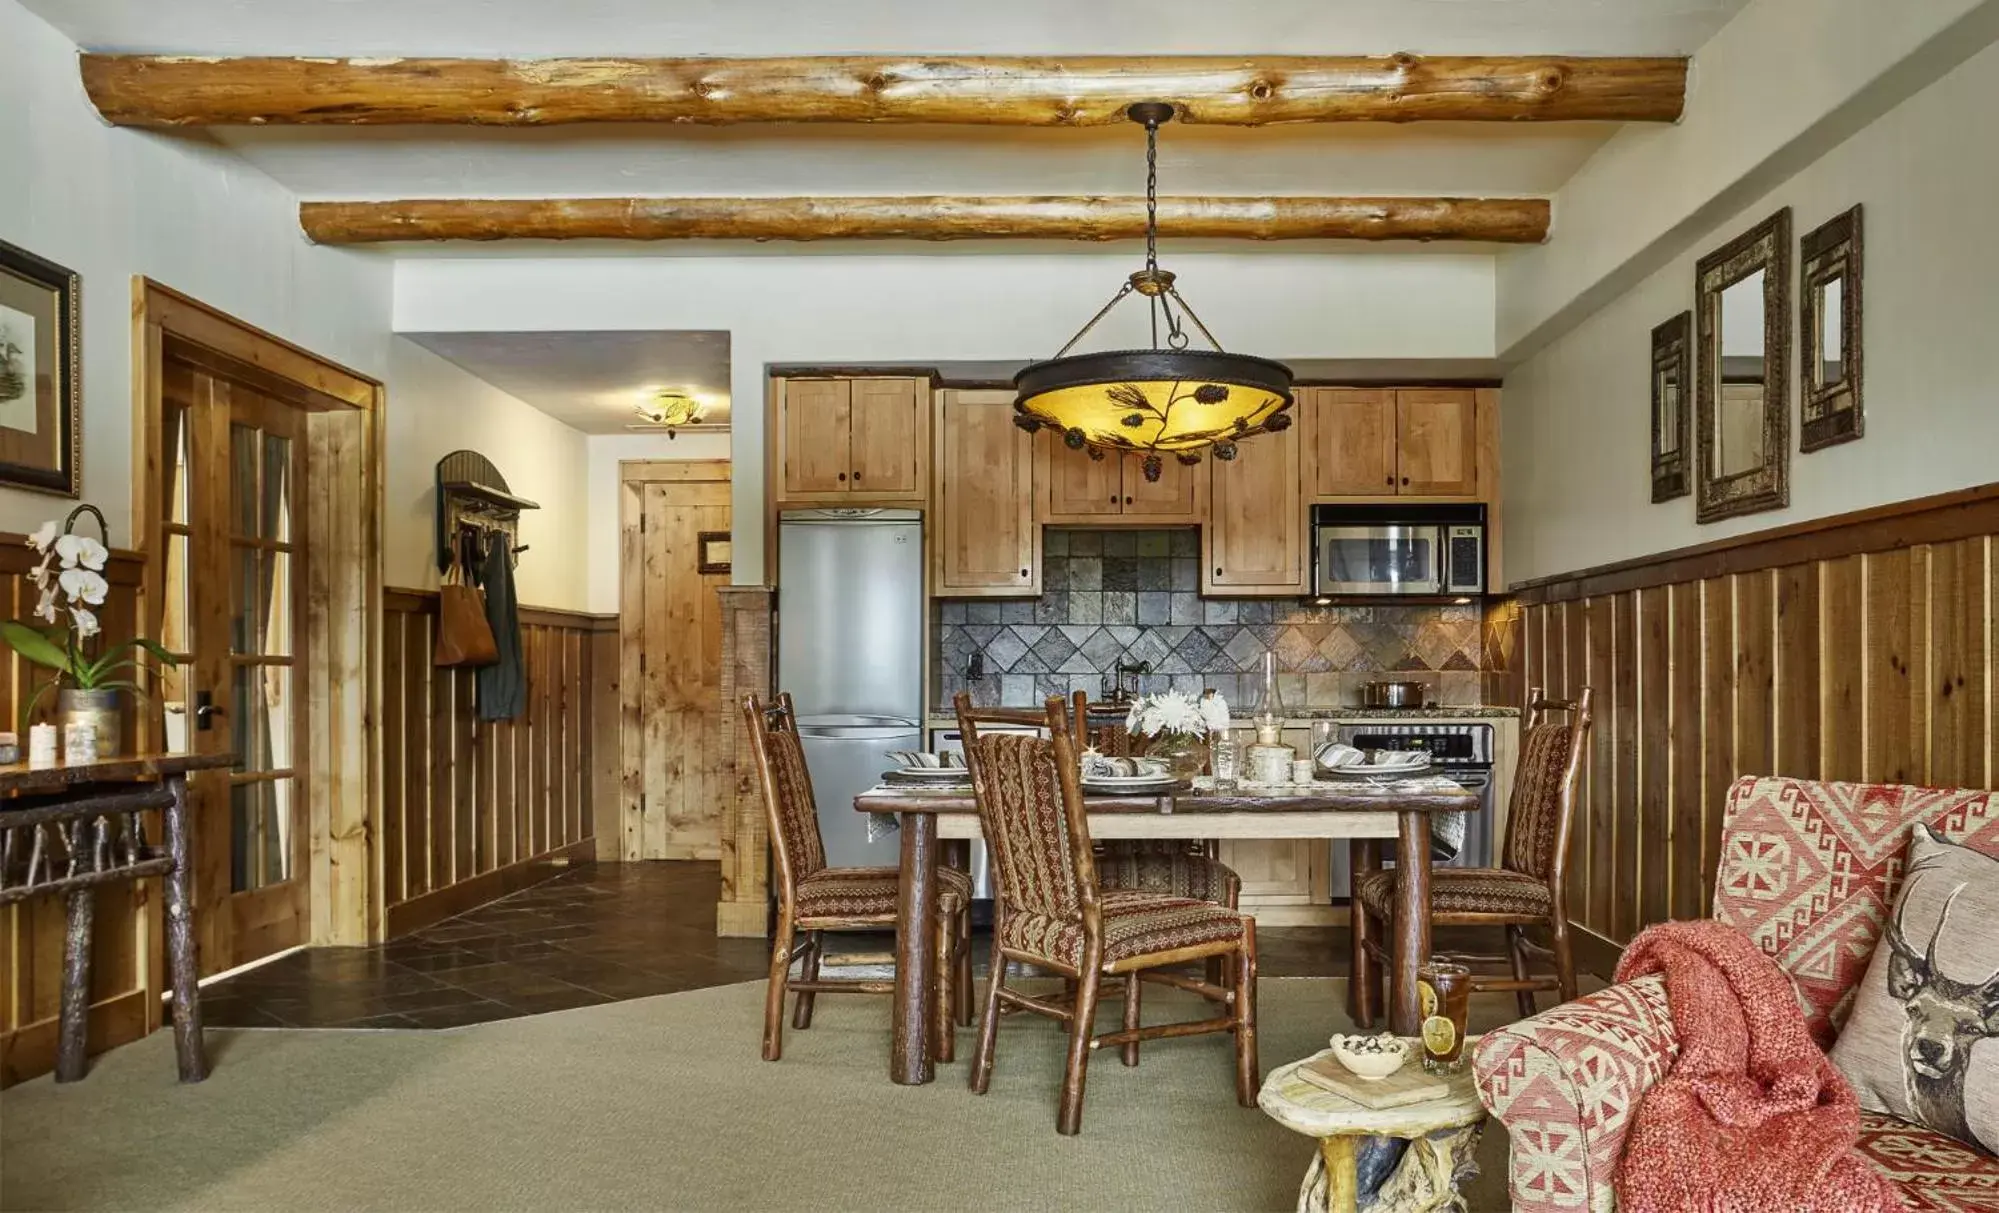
x: 850, y: 651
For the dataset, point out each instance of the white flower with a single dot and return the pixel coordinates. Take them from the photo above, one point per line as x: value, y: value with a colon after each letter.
x: 46, y: 608
x: 44, y: 536
x: 86, y: 621
x: 81, y: 550
x: 1166, y: 712
x: 1215, y: 712
x: 82, y: 585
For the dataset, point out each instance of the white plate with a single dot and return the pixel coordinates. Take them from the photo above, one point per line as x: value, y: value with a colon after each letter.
x: 1128, y: 783
x: 935, y: 774
x: 1402, y: 771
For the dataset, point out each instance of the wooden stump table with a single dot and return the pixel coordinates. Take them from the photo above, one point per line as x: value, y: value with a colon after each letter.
x: 1442, y: 1135
x: 68, y: 829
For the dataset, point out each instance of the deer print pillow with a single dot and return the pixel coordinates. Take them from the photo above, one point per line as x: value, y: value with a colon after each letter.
x: 1923, y: 1042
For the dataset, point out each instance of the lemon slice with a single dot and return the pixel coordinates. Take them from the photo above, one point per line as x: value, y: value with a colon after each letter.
x: 1426, y: 994
x: 1440, y: 1035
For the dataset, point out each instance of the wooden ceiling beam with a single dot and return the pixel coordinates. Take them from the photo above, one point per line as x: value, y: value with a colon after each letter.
x: 1500, y: 220
x: 1090, y: 90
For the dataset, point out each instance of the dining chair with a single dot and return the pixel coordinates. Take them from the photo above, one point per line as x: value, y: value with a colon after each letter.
x: 1169, y: 867
x: 1525, y: 890
x: 1049, y: 911
x: 813, y: 898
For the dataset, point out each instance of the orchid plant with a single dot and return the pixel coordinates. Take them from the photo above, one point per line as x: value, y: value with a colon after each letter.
x: 1173, y: 713
x: 72, y: 584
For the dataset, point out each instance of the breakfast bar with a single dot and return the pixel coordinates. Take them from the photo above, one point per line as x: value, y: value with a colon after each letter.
x: 1357, y: 810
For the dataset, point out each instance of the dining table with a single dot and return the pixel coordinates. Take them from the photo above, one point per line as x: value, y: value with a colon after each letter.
x: 1362, y: 811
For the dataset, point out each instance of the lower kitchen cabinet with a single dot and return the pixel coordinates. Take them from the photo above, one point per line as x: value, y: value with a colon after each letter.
x: 1285, y: 881
x: 985, y: 541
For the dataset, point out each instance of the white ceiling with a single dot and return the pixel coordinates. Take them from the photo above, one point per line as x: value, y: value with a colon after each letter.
x: 591, y: 381
x: 825, y: 27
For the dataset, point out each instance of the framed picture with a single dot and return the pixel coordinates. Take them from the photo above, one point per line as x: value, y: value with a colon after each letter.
x: 714, y: 553
x: 1742, y: 400
x: 1829, y: 328
x: 41, y: 415
x: 1672, y: 408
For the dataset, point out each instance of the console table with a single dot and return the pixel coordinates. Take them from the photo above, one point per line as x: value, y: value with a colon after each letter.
x: 68, y: 829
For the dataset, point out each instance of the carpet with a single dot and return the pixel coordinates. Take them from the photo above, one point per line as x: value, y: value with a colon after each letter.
x: 663, y: 1103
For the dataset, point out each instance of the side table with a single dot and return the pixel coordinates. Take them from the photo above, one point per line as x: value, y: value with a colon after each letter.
x: 1442, y: 1135
x: 68, y: 829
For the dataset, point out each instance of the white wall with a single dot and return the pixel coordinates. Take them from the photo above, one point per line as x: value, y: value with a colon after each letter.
x: 945, y: 305
x: 607, y: 451
x: 436, y: 408
x: 1576, y: 440
x: 110, y: 204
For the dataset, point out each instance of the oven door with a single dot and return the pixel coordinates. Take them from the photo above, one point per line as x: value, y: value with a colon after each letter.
x: 1379, y: 560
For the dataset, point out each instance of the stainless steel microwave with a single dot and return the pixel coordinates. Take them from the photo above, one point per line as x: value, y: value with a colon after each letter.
x: 1383, y: 550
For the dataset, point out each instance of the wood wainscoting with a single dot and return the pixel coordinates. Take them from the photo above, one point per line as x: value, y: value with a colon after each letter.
x: 1856, y: 647
x: 125, y: 977
x: 472, y: 809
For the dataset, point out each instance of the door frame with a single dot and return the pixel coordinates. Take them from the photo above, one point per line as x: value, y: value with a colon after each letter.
x: 622, y: 843
x: 340, y: 691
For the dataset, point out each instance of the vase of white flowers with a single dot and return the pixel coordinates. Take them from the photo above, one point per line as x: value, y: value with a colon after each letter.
x: 1177, y: 726
x: 91, y: 677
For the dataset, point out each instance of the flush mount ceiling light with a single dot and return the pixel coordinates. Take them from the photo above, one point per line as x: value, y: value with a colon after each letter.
x: 1163, y: 400
x: 671, y: 409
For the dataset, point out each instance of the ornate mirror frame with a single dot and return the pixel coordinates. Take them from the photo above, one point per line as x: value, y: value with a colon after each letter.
x: 1830, y: 413
x: 1672, y: 359
x: 1766, y: 247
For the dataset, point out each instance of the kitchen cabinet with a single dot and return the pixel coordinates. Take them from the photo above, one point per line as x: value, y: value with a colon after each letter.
x: 1390, y: 442
x: 1285, y: 881
x: 1077, y: 490
x: 851, y: 440
x: 985, y: 541
x: 1254, y: 541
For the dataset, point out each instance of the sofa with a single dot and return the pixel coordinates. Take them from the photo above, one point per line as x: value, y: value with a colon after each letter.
x: 1809, y: 870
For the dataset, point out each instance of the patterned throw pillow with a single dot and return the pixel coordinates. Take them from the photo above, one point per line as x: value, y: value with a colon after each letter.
x: 1923, y: 1042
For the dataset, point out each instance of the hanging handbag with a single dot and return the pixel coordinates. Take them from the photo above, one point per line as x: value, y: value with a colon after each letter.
x: 464, y: 638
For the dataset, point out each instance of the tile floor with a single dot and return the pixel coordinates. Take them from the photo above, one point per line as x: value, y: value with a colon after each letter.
x: 597, y: 933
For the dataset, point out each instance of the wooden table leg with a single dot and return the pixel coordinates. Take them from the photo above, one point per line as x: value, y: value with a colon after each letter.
x: 1363, y: 856
x: 1342, y: 1177
x: 72, y: 1039
x: 183, y: 961
x: 1412, y: 921
x: 909, y: 1062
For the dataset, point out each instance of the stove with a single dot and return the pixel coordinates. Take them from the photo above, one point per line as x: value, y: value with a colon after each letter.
x: 1462, y: 751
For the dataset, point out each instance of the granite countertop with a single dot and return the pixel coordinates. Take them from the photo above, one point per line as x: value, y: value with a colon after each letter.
x: 1303, y: 716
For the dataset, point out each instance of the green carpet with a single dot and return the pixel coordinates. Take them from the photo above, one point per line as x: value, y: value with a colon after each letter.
x: 662, y: 1103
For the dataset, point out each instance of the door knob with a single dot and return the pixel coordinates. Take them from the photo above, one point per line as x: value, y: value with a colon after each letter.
x: 205, y: 711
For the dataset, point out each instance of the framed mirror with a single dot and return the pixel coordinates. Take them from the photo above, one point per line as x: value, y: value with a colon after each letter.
x: 1672, y: 412
x: 1829, y: 333
x: 1742, y: 317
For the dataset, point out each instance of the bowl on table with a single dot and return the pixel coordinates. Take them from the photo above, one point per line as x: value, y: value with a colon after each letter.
x: 1371, y: 1057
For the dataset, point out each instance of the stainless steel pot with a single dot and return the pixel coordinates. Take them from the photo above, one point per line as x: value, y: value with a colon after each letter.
x: 1392, y: 694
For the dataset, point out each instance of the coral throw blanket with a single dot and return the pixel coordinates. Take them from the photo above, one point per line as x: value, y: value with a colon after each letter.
x: 1752, y: 1116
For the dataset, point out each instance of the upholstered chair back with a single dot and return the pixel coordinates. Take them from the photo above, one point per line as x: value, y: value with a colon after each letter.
x: 1810, y: 871
x: 1544, y: 786
x: 789, y: 809
x: 1043, y: 870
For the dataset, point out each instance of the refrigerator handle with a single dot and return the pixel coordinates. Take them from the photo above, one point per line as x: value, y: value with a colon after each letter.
x: 864, y: 732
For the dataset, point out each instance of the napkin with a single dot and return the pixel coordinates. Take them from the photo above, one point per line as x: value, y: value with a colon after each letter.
x: 923, y: 758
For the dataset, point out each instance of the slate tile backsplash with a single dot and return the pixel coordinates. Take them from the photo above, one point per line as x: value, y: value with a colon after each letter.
x: 1133, y: 596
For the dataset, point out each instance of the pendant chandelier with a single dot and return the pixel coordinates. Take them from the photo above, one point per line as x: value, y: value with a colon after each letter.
x: 1165, y: 400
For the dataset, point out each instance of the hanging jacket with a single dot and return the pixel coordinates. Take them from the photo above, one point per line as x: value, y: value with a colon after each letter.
x: 502, y: 686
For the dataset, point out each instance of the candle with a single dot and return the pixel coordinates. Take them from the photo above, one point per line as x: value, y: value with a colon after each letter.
x: 10, y: 749
x: 79, y: 743
x: 42, y: 746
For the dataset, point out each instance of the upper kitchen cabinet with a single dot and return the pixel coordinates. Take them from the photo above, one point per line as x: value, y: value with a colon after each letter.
x: 1381, y: 442
x: 986, y: 542
x: 1076, y: 490
x: 1254, y: 540
x: 851, y: 440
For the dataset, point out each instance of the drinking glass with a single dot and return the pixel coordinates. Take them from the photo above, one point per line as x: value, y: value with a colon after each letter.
x: 1225, y: 757
x: 1444, y: 991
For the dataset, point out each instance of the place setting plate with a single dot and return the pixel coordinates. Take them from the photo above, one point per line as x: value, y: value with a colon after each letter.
x: 927, y: 777
x: 1130, y: 785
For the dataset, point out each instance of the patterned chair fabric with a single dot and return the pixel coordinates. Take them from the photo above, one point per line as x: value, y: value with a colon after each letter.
x: 1164, y: 868
x: 1020, y: 811
x: 1462, y: 891
x: 1809, y: 871
x: 852, y: 893
x: 1133, y: 926
x: 1534, y: 815
x: 795, y: 816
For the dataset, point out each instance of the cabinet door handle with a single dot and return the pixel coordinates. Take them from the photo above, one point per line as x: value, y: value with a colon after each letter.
x: 1405, y: 479
x: 843, y: 477
x: 857, y: 477
x: 1391, y: 480
x: 1023, y: 573
x: 1218, y: 572
x: 1113, y: 498
x: 1127, y: 501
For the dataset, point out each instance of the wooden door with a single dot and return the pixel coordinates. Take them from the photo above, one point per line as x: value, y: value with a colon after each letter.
x: 1074, y: 487
x: 1280, y: 871
x: 817, y: 461
x: 1254, y: 543
x: 1436, y: 432
x: 889, y: 437
x: 1175, y: 497
x: 673, y: 790
x: 234, y: 463
x: 986, y: 541
x: 1350, y: 435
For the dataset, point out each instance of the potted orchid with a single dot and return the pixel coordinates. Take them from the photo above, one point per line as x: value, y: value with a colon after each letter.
x: 90, y: 676
x: 1177, y: 727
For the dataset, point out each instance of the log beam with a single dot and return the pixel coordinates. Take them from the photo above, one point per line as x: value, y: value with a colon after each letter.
x: 1499, y: 220
x: 1090, y: 90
